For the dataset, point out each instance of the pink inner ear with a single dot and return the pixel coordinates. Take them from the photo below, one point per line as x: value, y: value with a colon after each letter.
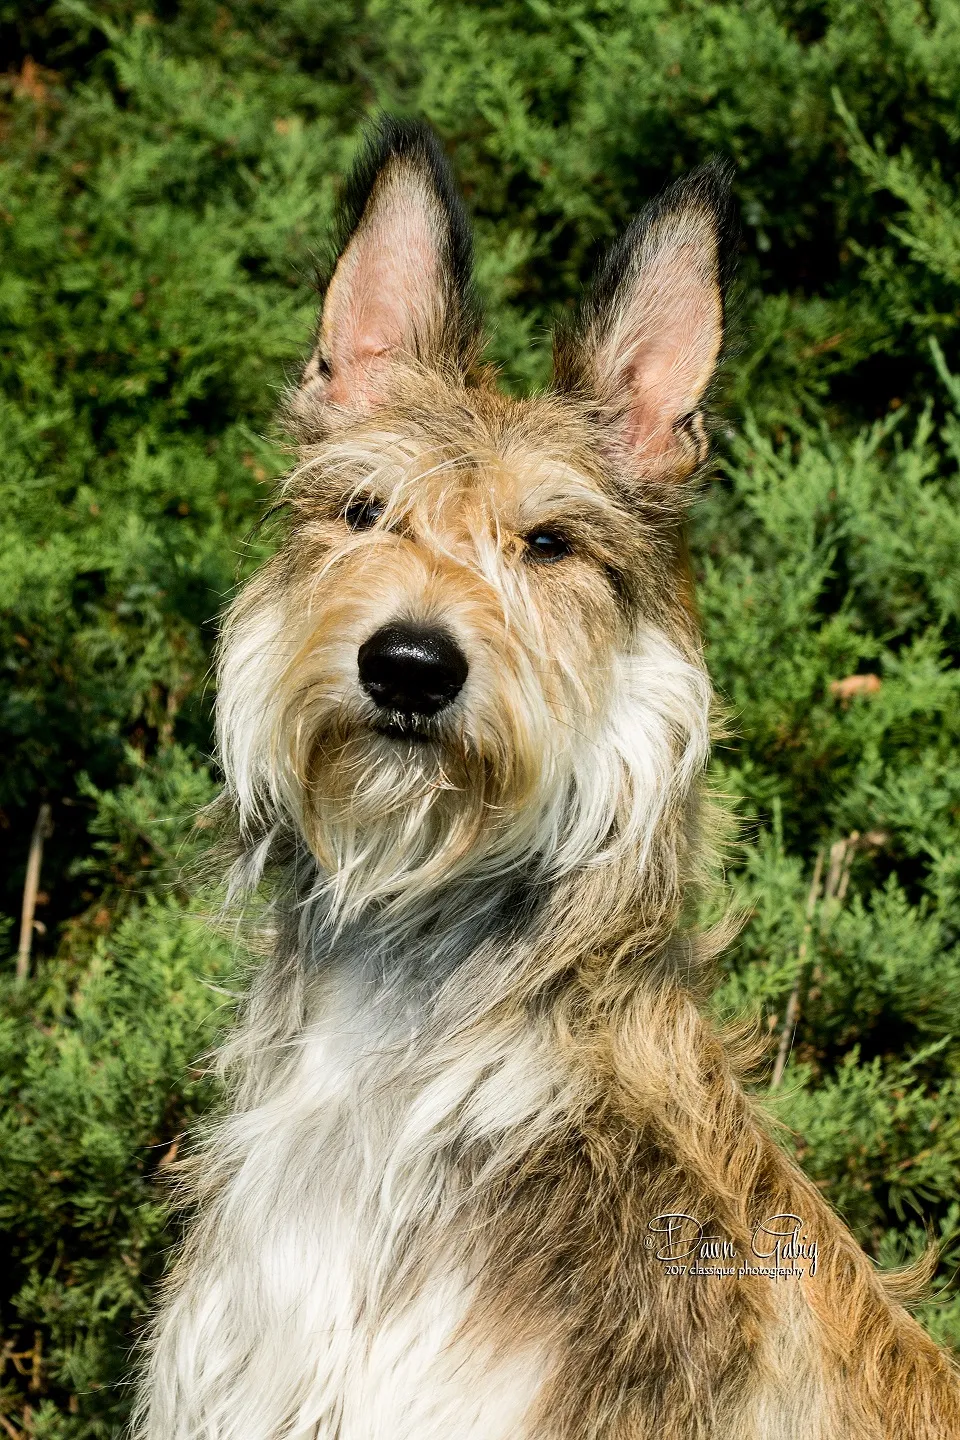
x: 662, y: 348
x: 386, y: 296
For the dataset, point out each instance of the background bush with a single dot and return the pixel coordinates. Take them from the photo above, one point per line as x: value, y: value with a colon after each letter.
x: 167, y: 172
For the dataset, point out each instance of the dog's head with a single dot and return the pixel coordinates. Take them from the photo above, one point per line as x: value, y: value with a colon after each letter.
x: 474, y: 651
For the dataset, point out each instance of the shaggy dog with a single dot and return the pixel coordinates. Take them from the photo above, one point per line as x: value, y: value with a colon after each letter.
x: 487, y: 1172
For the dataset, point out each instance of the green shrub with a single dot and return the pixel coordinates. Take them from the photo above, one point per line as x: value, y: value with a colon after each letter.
x: 167, y: 174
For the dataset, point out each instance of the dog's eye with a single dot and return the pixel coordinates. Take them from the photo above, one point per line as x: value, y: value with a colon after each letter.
x: 363, y: 512
x: 546, y: 545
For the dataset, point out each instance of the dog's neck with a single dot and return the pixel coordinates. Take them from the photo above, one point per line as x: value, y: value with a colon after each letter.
x: 514, y: 938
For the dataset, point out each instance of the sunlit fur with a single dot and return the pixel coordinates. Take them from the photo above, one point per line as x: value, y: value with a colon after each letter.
x: 475, y: 1064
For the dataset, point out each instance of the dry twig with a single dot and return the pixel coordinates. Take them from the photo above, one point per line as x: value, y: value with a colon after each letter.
x: 793, y: 1004
x: 41, y: 831
x: 834, y: 891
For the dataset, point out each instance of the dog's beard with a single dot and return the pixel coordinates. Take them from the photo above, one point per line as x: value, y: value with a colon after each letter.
x: 396, y: 821
x: 393, y: 818
x: 516, y: 781
x: 389, y: 817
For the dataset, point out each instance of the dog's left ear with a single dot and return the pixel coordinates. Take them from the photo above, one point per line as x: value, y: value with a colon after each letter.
x: 401, y: 286
x: 650, y: 334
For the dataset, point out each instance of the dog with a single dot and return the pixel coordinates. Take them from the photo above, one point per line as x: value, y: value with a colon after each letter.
x: 487, y: 1172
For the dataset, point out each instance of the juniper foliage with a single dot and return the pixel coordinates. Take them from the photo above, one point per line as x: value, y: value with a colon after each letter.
x: 167, y: 172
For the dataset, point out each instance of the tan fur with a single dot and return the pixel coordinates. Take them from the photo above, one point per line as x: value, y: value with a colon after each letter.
x: 478, y: 1067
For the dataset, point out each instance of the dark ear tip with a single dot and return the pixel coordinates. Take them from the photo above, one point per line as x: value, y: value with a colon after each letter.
x: 399, y: 137
x: 394, y: 137
x: 708, y: 187
x: 711, y: 185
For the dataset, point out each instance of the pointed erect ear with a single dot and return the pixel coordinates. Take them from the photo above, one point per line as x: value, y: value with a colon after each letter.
x: 401, y: 284
x: 649, y: 336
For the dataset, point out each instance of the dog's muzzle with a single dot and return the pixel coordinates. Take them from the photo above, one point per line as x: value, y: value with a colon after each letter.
x: 411, y: 670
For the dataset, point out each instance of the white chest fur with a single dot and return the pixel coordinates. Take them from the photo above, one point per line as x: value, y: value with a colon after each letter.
x: 324, y: 1292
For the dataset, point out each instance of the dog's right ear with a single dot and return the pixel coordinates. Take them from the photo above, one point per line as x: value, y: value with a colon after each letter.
x: 401, y: 285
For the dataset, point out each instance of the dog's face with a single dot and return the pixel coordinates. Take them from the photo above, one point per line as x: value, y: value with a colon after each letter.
x: 474, y: 651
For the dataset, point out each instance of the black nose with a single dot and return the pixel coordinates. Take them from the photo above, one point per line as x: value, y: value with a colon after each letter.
x: 412, y: 669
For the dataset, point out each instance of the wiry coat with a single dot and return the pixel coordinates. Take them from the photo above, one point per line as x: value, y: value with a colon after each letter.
x: 476, y: 1069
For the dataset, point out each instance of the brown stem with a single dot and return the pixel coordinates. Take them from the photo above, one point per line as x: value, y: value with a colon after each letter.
x: 834, y: 891
x: 793, y: 1004
x: 41, y: 831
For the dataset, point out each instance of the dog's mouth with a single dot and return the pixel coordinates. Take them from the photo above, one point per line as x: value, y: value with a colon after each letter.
x: 416, y: 729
